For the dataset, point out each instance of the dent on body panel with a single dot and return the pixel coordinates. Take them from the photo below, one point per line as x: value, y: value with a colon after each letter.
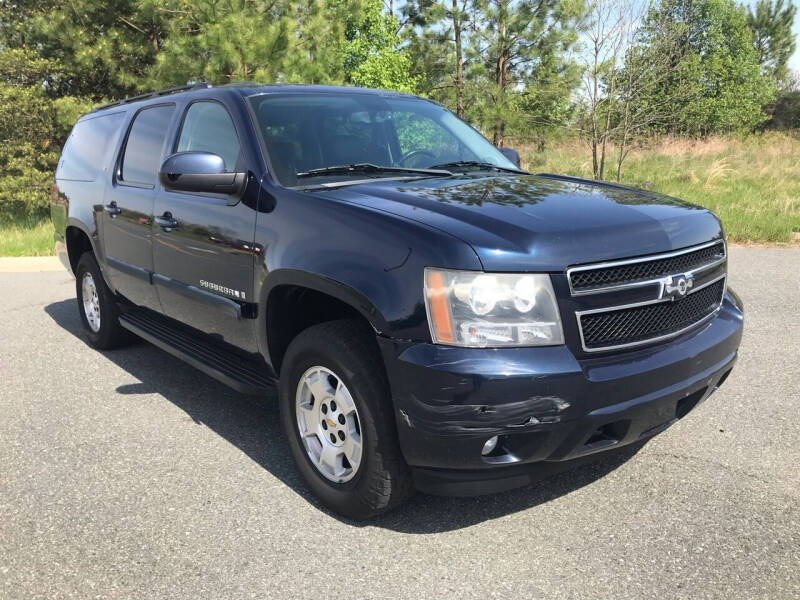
x: 479, y: 390
x: 534, y: 413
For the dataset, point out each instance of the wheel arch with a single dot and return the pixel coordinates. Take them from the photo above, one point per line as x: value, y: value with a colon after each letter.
x: 78, y: 240
x: 293, y: 300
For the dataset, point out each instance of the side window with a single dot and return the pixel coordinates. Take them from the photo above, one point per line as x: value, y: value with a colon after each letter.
x: 207, y: 127
x: 87, y: 147
x: 142, y: 156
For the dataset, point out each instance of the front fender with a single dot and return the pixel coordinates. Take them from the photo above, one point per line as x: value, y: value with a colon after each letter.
x: 371, y: 260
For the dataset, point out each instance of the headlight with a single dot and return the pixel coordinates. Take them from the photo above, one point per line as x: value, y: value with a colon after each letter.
x: 468, y: 308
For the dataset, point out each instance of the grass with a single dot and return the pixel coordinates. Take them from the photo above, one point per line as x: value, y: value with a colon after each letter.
x: 26, y: 236
x: 752, y: 184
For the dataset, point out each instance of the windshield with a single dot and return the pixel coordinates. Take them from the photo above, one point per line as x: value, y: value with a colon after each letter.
x: 305, y: 134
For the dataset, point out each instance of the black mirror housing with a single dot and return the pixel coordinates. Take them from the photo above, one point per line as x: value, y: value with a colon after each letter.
x: 200, y: 172
x: 511, y: 155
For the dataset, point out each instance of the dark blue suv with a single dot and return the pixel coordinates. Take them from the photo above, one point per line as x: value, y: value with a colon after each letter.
x: 435, y: 316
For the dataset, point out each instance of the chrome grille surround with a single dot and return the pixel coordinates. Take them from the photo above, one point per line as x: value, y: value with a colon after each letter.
x: 653, y: 268
x: 628, y: 324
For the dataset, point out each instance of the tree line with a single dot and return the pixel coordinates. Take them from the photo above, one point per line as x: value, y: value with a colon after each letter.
x: 609, y: 71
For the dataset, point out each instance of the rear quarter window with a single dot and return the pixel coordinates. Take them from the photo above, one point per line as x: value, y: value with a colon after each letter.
x: 142, y: 155
x: 87, y: 149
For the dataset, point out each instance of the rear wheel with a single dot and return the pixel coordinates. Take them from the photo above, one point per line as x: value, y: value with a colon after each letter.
x: 97, y: 307
x: 338, y: 418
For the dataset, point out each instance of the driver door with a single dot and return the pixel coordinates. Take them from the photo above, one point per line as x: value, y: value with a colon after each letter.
x: 203, y: 254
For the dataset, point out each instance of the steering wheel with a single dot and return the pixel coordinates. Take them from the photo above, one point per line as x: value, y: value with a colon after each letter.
x: 412, y: 153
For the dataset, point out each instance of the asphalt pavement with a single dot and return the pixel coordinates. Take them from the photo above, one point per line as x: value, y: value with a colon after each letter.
x: 128, y: 474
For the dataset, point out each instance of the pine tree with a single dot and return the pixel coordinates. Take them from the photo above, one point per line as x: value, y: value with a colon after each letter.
x: 521, y: 41
x: 224, y: 42
x: 99, y: 48
x: 773, y: 39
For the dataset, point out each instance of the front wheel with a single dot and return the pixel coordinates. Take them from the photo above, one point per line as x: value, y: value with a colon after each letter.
x: 338, y: 418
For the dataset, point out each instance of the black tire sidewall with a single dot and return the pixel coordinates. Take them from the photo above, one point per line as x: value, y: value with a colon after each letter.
x: 305, y: 362
x: 355, y: 498
x: 109, y: 325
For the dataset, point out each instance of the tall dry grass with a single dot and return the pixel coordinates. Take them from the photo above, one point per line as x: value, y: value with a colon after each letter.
x: 751, y: 183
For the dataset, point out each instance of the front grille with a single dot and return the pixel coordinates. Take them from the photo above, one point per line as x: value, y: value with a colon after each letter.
x: 586, y: 279
x: 629, y: 326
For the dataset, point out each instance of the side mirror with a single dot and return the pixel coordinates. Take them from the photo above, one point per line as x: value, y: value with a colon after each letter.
x: 200, y: 172
x: 511, y: 155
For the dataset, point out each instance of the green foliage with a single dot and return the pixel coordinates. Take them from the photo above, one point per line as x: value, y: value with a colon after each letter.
x: 431, y: 48
x: 222, y: 42
x: 773, y: 39
x: 518, y: 78
x: 523, y: 45
x: 786, y: 110
x: 370, y: 51
x: 307, y: 41
x: 100, y: 47
x: 714, y: 84
x: 26, y: 236
x: 27, y: 152
x: 33, y: 127
x: 28, y: 143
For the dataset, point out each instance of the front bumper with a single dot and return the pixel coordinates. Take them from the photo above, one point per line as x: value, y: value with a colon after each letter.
x: 545, y: 404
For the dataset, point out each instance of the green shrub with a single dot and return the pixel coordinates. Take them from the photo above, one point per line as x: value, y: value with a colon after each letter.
x: 28, y: 150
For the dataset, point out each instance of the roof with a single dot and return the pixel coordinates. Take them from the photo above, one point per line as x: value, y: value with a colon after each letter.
x: 248, y: 88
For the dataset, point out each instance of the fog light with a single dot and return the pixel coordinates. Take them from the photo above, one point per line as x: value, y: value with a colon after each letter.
x: 490, y: 445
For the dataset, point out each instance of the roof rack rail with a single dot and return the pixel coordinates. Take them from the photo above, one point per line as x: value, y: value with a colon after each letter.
x: 194, y: 85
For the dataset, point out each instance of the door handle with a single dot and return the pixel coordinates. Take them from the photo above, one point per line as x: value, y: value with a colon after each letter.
x: 112, y: 209
x: 166, y: 222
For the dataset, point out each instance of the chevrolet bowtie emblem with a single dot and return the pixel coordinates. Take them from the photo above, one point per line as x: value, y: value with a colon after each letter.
x: 331, y: 423
x: 677, y: 286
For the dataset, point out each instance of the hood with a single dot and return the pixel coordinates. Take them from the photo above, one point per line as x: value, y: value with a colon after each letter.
x: 541, y: 223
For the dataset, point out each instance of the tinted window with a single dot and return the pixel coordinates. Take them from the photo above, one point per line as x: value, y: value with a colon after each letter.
x: 207, y: 127
x: 87, y: 147
x: 304, y: 132
x: 422, y: 134
x: 143, y: 149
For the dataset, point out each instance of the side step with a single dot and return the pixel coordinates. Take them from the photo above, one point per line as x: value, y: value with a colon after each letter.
x: 242, y: 374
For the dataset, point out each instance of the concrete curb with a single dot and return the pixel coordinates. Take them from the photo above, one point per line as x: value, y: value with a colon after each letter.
x: 29, y: 264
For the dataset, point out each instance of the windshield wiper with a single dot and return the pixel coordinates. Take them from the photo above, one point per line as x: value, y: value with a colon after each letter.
x: 475, y: 163
x: 368, y: 168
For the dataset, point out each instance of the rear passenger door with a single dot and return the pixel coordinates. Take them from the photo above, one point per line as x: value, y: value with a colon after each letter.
x: 203, y: 259
x: 128, y: 209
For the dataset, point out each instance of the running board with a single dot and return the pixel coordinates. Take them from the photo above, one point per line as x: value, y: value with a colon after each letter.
x: 242, y: 374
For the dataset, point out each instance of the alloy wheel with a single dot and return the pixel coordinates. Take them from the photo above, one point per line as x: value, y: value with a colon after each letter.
x: 91, y: 301
x: 328, y: 424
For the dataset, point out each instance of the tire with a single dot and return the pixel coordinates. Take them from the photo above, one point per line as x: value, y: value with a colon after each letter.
x: 344, y: 351
x: 107, y: 333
